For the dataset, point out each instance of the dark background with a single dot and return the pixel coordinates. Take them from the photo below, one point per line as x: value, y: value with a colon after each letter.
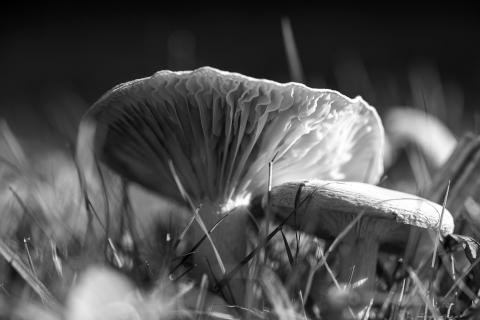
x: 55, y: 58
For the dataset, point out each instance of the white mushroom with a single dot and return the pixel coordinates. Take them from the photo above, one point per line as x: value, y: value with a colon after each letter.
x: 220, y: 130
x: 326, y: 208
x: 430, y: 135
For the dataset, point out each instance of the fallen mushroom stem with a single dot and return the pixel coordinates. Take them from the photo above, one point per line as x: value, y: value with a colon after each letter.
x: 429, y: 134
x: 462, y: 169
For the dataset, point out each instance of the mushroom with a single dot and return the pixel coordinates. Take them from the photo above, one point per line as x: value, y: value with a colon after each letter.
x: 326, y: 208
x: 463, y: 171
x: 213, y: 133
x: 425, y: 131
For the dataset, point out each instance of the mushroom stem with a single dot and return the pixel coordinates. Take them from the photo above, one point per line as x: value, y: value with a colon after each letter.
x: 229, y: 239
x: 358, y: 258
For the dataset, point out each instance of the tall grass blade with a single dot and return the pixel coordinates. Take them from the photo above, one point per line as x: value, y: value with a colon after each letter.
x: 38, y: 287
x: 423, y: 294
x: 29, y: 257
x: 200, y: 305
x: 294, y: 64
x: 287, y: 248
x: 437, y: 239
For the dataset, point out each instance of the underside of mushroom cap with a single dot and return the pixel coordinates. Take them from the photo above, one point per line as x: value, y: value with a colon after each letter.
x: 221, y: 129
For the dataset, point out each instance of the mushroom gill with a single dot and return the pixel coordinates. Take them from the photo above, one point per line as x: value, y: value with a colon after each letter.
x: 221, y: 129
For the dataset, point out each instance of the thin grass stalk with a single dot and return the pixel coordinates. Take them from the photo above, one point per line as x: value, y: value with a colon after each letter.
x: 294, y: 64
x: 38, y: 287
x: 200, y: 304
x: 423, y: 294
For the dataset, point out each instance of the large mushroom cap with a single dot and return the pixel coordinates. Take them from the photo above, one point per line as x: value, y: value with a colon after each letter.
x: 221, y: 129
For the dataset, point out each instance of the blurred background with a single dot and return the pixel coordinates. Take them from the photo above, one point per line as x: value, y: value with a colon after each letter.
x: 55, y: 60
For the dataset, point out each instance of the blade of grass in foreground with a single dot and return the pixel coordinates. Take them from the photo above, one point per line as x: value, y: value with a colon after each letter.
x: 435, y: 248
x: 37, y: 286
x: 277, y: 295
x: 200, y: 305
x: 269, y: 195
x: 12, y: 153
x: 461, y: 284
x: 437, y: 239
x: 423, y: 294
x: 265, y: 241
x: 287, y: 248
x: 185, y: 256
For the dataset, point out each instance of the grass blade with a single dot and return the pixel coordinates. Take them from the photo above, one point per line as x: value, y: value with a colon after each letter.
x: 200, y: 305
x: 257, y: 249
x: 294, y: 65
x: 287, y: 248
x: 437, y: 240
x: 423, y: 294
x: 37, y: 286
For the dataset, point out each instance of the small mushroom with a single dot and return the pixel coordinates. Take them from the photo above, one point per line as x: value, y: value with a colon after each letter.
x: 219, y: 131
x: 326, y: 208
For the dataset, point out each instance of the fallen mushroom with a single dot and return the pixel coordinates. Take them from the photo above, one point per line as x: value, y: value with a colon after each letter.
x: 213, y: 134
x: 326, y: 208
x: 429, y: 134
x: 462, y: 171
